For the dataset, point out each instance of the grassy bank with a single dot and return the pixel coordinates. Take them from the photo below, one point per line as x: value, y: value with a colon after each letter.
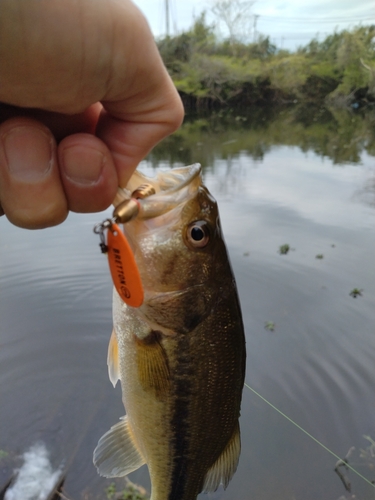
x: 210, y: 73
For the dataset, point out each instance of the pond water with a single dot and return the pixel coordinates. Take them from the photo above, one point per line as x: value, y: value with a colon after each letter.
x: 285, y: 179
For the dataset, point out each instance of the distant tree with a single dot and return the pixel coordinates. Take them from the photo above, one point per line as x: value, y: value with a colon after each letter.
x: 180, y: 48
x: 263, y: 48
x: 237, y: 18
x: 201, y: 32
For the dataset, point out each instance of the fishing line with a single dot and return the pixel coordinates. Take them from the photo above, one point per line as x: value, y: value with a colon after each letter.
x: 309, y: 435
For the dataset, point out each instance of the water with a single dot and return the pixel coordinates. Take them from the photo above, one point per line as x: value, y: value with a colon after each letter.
x: 278, y: 180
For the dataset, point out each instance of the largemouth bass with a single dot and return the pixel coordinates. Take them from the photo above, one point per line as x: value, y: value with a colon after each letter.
x: 181, y: 355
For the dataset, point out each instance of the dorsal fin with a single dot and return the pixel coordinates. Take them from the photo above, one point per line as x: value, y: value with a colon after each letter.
x: 113, y: 360
x: 117, y: 453
x: 225, y: 466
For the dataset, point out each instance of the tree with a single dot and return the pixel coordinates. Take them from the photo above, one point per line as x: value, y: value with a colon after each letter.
x: 180, y: 48
x: 236, y: 17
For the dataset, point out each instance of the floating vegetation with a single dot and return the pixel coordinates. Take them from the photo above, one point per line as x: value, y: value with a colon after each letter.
x: 356, y: 292
x: 270, y: 326
x: 3, y: 454
x: 319, y: 256
x: 284, y: 249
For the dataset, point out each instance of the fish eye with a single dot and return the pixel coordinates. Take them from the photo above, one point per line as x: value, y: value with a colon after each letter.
x: 198, y: 234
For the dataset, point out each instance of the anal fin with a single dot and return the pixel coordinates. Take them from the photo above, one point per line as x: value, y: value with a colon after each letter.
x: 113, y: 360
x: 116, y: 454
x: 225, y: 466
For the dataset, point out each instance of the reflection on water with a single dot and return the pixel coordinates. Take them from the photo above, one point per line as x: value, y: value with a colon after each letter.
x: 338, y: 135
x: 281, y: 181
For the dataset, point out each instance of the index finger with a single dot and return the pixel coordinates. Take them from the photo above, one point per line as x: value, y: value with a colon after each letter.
x: 142, y: 105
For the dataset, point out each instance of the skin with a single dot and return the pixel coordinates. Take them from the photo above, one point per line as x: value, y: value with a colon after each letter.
x: 84, y: 96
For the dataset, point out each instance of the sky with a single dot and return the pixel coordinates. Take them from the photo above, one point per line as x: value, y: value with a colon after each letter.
x: 288, y: 23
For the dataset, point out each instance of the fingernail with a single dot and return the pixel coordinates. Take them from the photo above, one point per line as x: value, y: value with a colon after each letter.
x: 82, y: 165
x: 28, y: 152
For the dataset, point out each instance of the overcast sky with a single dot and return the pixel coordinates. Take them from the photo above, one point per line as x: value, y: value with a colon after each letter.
x: 288, y: 23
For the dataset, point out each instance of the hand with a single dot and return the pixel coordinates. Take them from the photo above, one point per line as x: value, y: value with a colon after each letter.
x: 84, y: 96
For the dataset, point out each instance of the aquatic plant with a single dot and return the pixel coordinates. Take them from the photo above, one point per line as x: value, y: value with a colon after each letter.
x: 284, y: 249
x: 269, y: 325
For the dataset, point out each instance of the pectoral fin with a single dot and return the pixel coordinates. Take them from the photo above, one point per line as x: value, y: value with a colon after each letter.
x: 113, y: 360
x: 225, y: 466
x: 152, y: 363
x: 117, y: 454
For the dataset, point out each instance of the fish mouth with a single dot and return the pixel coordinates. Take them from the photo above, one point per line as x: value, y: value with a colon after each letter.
x: 171, y: 189
x: 156, y: 232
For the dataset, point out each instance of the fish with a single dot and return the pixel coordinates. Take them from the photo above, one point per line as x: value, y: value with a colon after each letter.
x: 181, y: 355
